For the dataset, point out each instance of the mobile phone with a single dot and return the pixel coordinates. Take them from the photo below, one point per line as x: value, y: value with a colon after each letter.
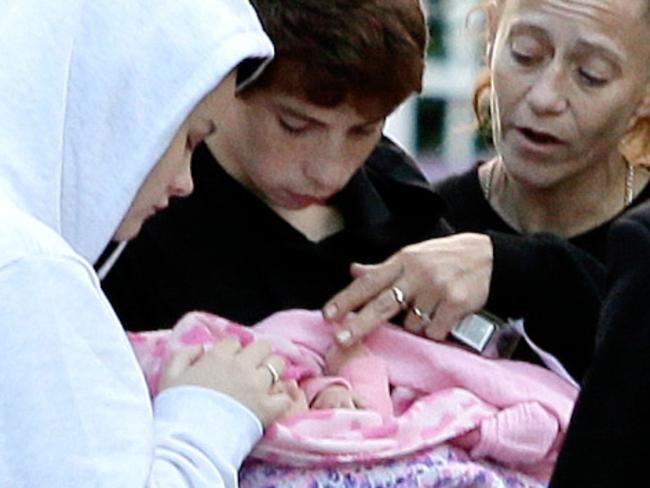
x: 475, y: 331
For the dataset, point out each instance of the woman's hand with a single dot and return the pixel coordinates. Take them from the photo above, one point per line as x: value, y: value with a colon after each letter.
x: 297, y: 396
x: 240, y: 372
x: 437, y: 282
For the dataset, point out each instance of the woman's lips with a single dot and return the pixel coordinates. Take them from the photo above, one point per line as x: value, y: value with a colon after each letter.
x: 535, y: 142
x: 539, y: 137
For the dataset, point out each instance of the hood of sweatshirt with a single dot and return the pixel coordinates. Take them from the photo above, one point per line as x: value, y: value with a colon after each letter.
x: 92, y: 93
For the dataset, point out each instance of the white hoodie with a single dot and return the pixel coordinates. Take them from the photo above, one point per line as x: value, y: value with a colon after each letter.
x: 91, y: 94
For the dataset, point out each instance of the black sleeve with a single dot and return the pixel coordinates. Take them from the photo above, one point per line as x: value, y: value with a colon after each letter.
x: 555, y: 287
x: 606, y: 444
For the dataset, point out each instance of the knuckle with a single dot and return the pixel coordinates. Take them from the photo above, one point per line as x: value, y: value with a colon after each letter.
x: 384, y: 305
x: 438, y: 278
x: 366, y: 283
x: 262, y: 346
x: 409, y: 256
x: 457, y: 297
x: 227, y: 342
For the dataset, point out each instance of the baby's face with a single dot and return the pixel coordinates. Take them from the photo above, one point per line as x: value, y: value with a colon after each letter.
x: 334, y: 396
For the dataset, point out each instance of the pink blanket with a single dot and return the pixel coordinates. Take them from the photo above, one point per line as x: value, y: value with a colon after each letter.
x: 511, y: 412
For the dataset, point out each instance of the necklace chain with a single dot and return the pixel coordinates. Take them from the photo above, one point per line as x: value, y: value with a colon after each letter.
x: 629, y: 183
x: 486, y: 183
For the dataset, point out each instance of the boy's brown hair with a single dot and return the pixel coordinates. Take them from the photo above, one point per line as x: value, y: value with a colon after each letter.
x: 369, y: 53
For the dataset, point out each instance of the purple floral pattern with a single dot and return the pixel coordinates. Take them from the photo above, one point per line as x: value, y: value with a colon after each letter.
x: 441, y: 467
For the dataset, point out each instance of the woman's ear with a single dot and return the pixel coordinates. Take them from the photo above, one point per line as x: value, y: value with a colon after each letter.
x: 643, y: 111
x: 635, y: 145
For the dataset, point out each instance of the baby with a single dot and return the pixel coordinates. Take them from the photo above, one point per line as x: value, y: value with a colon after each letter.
x: 314, y: 381
x: 395, y: 394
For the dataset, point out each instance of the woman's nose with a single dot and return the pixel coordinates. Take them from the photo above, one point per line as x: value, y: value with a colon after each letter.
x: 547, y: 95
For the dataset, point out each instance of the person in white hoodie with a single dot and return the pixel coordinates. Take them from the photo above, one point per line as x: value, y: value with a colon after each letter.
x: 101, y: 103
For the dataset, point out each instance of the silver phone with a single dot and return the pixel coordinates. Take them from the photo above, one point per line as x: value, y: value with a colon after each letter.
x: 474, y: 331
x: 486, y: 334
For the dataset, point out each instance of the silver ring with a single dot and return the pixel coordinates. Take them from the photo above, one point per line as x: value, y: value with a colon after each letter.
x: 423, y: 316
x: 275, y: 376
x: 399, y: 296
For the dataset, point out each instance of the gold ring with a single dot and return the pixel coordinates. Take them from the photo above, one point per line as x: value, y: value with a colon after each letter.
x: 399, y: 297
x: 275, y: 376
x: 423, y: 316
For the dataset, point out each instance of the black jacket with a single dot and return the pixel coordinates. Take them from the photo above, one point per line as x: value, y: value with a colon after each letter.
x: 225, y: 251
x: 607, y: 441
x: 556, y: 285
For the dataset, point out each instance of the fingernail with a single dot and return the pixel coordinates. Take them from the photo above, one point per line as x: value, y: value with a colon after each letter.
x: 343, y: 336
x: 330, y: 311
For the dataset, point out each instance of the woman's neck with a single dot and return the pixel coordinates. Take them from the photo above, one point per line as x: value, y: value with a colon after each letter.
x: 568, y: 208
